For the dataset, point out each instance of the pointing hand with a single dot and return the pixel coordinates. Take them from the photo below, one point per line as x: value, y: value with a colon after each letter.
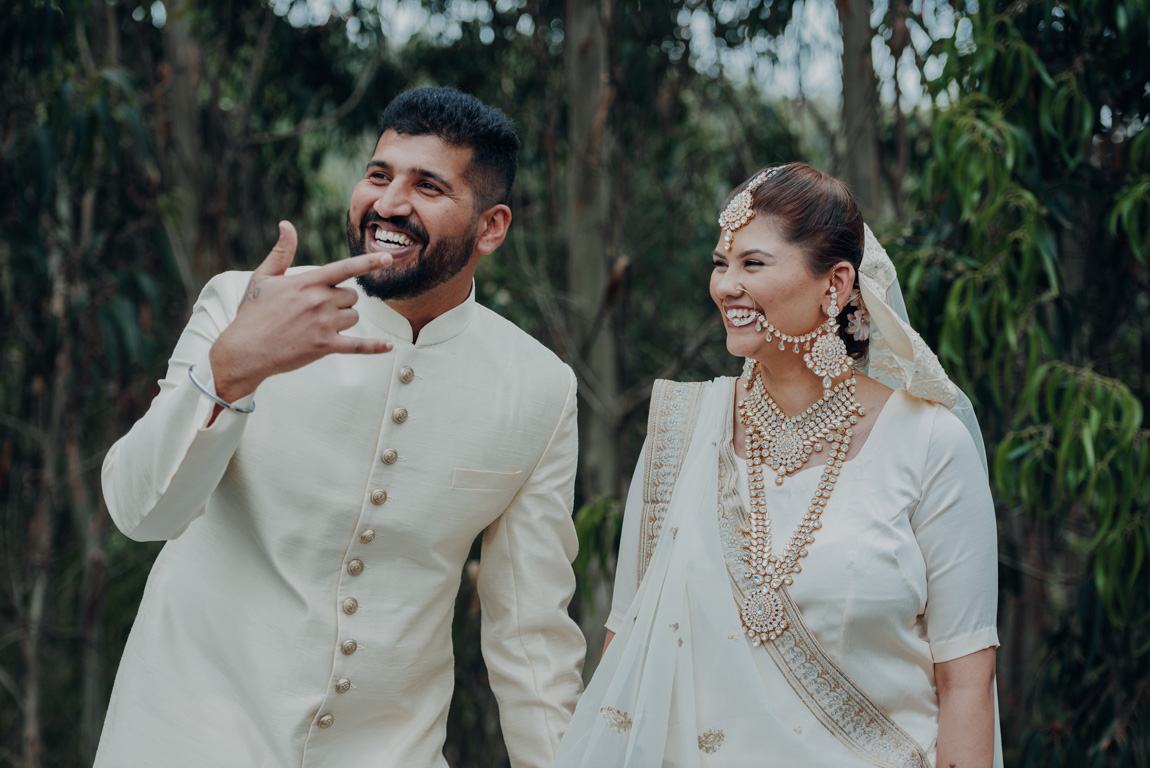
x: 286, y: 321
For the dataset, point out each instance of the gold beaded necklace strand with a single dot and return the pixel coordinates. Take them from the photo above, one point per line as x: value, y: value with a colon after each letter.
x: 784, y: 444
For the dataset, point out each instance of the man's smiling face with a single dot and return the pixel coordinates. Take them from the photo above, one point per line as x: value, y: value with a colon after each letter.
x: 416, y: 203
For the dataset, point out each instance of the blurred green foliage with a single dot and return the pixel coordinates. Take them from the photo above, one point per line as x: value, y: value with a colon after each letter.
x: 1028, y: 258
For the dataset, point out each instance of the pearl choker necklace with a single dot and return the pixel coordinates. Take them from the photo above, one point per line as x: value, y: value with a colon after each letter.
x: 784, y: 444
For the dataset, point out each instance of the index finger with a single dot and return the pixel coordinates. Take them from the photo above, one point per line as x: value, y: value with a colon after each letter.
x: 345, y: 269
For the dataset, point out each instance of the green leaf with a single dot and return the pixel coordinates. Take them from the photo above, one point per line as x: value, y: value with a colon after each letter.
x: 119, y: 78
x: 1088, y: 446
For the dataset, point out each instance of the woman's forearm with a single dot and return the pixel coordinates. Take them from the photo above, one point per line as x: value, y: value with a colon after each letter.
x: 966, y: 711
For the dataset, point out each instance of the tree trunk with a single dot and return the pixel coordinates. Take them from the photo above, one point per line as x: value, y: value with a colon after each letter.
x: 41, y: 530
x: 90, y: 526
x: 588, y: 197
x: 588, y: 246
x: 858, y: 155
x: 182, y: 222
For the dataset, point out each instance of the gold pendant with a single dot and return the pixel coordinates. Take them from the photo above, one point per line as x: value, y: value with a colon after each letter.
x: 763, y: 614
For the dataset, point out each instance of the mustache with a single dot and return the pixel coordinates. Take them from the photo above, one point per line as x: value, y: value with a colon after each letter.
x: 404, y: 224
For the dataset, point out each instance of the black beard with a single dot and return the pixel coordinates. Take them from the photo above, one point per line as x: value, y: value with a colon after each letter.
x: 434, y: 265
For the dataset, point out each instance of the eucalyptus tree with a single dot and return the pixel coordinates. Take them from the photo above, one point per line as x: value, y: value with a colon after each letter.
x: 1028, y: 258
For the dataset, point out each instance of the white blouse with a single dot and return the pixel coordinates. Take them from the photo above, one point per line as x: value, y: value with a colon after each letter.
x: 903, y: 574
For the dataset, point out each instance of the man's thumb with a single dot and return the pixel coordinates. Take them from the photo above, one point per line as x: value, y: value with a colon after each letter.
x: 282, y: 253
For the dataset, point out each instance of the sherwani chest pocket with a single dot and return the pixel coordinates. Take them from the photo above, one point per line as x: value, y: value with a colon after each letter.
x: 486, y: 480
x: 484, y: 493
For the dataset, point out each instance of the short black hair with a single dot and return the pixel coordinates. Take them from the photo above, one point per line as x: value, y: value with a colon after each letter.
x: 462, y: 121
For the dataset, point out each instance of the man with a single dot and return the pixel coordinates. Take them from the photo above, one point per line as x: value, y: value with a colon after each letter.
x: 300, y: 613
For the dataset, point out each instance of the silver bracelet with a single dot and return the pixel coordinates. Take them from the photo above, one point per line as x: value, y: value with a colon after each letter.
x: 218, y: 399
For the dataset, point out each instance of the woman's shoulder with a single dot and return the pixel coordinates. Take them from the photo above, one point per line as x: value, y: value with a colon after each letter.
x: 671, y: 387
x: 676, y: 405
x: 931, y: 432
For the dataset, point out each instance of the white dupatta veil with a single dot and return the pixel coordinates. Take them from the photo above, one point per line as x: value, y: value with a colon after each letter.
x: 898, y: 356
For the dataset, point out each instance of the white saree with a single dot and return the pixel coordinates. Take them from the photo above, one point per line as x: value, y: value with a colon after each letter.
x: 903, y: 575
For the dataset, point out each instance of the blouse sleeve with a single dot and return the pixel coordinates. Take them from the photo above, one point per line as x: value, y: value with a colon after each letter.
x: 955, y: 528
x: 627, y: 563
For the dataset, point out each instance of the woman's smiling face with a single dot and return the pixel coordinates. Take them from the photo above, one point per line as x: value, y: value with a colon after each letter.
x: 764, y: 274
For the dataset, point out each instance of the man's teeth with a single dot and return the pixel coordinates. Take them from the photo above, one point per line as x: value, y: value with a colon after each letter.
x: 740, y: 317
x: 392, y: 238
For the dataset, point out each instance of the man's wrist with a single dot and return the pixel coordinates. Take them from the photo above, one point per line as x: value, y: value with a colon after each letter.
x: 228, y: 385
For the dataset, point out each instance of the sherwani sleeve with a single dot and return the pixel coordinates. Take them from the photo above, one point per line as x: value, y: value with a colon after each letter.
x: 157, y: 478
x: 533, y: 650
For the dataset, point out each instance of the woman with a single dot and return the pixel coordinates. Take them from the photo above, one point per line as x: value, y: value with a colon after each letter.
x: 807, y: 574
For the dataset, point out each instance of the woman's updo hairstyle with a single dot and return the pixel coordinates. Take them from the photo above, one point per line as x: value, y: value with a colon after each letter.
x: 817, y: 213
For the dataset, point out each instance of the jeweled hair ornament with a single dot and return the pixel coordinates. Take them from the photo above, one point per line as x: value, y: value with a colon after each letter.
x: 739, y: 211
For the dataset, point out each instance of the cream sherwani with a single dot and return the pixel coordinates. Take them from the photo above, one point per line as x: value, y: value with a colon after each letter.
x: 300, y: 613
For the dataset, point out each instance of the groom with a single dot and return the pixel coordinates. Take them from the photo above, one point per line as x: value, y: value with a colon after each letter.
x: 300, y: 613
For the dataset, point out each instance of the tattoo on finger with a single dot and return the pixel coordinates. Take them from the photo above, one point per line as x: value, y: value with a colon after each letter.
x: 251, y: 292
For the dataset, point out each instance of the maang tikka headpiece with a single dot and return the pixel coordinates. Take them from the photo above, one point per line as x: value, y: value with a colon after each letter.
x: 739, y: 211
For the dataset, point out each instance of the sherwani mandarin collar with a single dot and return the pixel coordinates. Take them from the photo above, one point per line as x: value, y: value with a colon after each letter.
x: 443, y: 328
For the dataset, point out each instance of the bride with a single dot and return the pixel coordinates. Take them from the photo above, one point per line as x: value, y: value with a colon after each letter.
x: 808, y: 568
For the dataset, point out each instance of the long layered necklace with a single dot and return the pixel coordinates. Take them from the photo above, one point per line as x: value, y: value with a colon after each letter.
x: 785, y: 444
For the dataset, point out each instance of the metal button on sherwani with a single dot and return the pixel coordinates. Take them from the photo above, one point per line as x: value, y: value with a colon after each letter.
x: 343, y: 685
x: 399, y: 415
x: 355, y: 567
x: 348, y: 647
x: 378, y: 496
x: 406, y: 374
x: 389, y: 456
x: 326, y: 721
x: 367, y: 536
x: 350, y: 606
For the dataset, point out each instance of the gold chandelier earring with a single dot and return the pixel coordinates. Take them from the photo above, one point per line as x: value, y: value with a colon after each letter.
x: 828, y: 356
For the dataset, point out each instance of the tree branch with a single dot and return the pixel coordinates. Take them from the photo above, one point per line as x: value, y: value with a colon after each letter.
x: 640, y: 393
x: 308, y: 126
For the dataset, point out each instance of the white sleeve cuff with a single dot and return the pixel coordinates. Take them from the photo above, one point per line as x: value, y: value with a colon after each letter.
x: 614, y: 622
x: 949, y: 650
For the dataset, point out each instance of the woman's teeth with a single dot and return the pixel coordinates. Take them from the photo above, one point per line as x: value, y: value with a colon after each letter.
x: 741, y: 317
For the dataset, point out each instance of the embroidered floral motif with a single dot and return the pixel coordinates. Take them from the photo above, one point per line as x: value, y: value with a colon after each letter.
x: 674, y: 626
x: 923, y: 376
x: 674, y: 410
x: 617, y: 720
x: 711, y: 740
x: 875, y: 263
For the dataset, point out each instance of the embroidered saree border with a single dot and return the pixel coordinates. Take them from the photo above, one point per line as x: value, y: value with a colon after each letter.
x: 831, y: 696
x: 670, y: 425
